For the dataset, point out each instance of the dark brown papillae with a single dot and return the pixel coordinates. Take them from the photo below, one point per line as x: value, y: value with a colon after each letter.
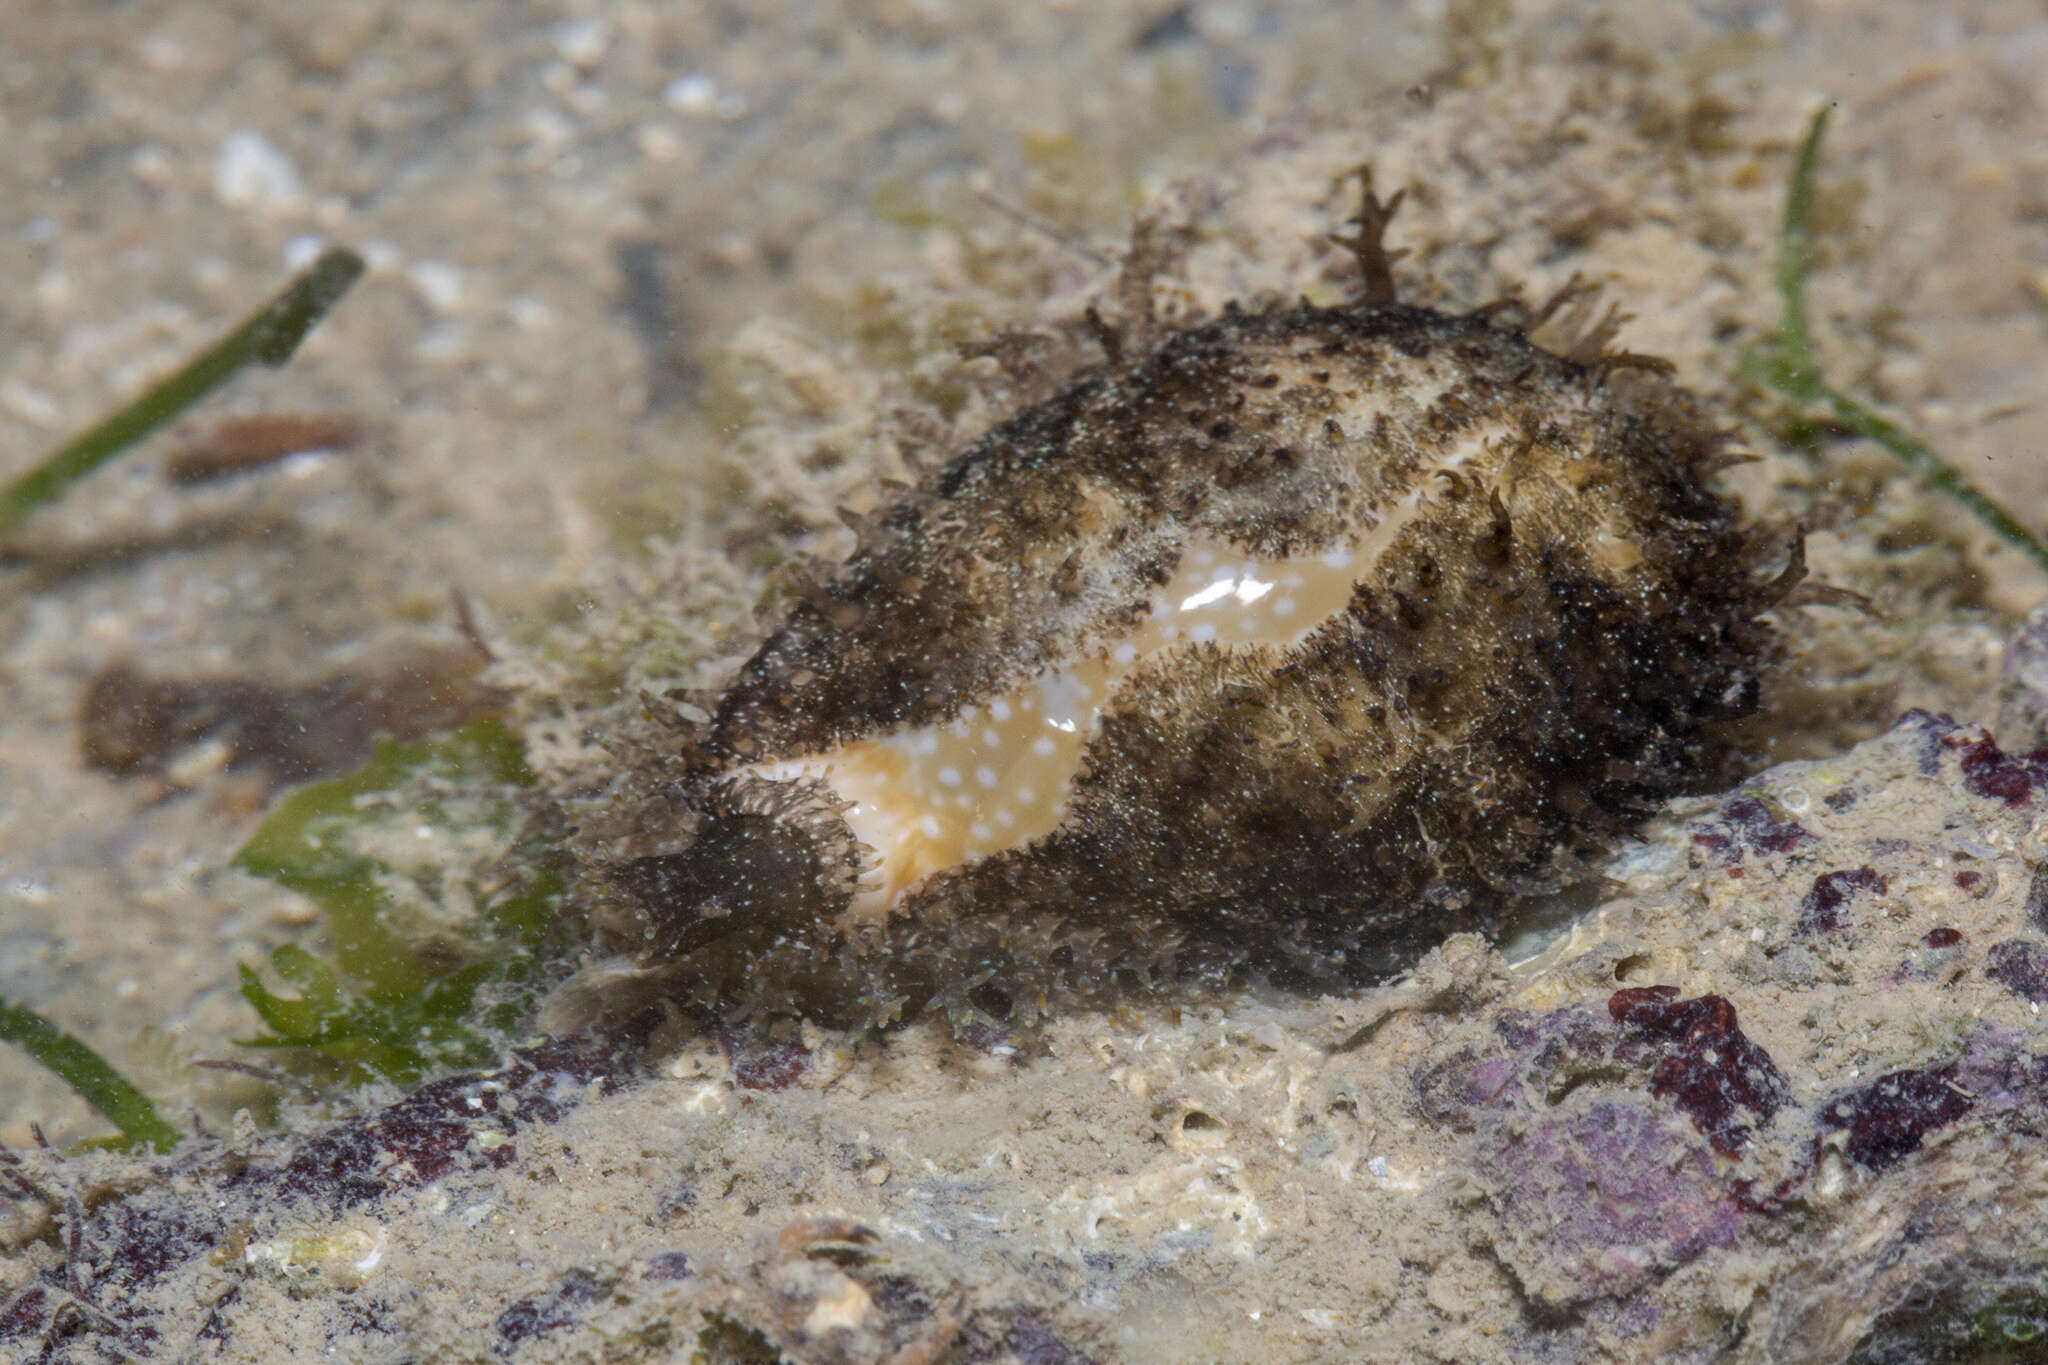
x: 1534, y: 658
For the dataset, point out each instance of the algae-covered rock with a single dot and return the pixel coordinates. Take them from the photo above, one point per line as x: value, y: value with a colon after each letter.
x: 1700, y: 1125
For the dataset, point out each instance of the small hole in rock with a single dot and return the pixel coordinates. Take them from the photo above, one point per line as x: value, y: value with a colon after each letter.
x: 1636, y: 966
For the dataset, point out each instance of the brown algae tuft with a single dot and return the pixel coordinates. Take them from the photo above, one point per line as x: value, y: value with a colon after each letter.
x: 1275, y: 647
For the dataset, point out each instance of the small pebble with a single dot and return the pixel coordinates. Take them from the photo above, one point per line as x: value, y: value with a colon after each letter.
x: 251, y: 172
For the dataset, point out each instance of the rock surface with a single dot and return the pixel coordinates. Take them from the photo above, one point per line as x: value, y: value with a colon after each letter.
x: 1697, y: 1126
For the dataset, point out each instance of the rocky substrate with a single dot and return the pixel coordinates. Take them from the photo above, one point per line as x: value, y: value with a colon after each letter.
x: 1780, y: 1097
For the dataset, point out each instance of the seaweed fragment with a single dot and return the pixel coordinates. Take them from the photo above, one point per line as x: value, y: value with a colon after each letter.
x: 1785, y: 363
x: 540, y: 1314
x: 133, y: 722
x: 775, y: 1066
x: 237, y: 445
x: 429, y: 961
x: 85, y: 1071
x: 1710, y: 1070
x: 1820, y: 911
x: 1988, y: 771
x: 267, y: 337
x: 1883, y: 1123
x: 1747, y: 824
x: 2021, y: 967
